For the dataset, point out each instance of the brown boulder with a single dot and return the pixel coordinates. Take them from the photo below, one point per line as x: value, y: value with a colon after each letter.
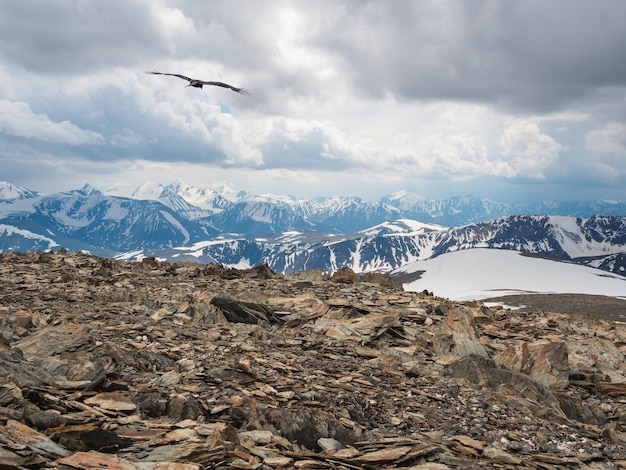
x: 345, y: 276
x: 458, y: 335
x: 544, y: 361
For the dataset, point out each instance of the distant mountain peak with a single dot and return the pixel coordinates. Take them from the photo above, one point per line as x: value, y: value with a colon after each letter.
x: 180, y: 186
x: 12, y: 191
x: 148, y: 190
x: 89, y: 190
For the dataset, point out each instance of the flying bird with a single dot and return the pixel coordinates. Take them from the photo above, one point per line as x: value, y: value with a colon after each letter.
x: 199, y: 83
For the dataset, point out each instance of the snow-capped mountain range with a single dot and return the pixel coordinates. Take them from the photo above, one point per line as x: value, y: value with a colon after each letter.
x: 239, y: 212
x: 86, y: 219
x: 599, y: 242
x: 178, y: 222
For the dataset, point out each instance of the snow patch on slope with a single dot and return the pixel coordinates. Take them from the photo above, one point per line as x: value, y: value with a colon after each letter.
x: 8, y: 230
x: 176, y: 224
x: 480, y: 273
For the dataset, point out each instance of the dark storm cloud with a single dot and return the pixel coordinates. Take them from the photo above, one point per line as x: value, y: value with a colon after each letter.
x: 532, y: 54
x: 83, y: 36
x: 67, y: 37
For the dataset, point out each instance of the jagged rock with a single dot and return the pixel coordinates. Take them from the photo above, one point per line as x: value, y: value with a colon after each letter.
x: 150, y: 262
x: 63, y: 351
x: 40, y: 419
x: 330, y: 444
x: 458, y: 335
x: 262, y: 271
x: 312, y: 276
x: 382, y: 280
x: 306, y: 427
x: 91, y: 459
x: 345, y: 276
x: 544, y: 361
x: 484, y: 371
x: 18, y: 435
x: 613, y: 389
x: 614, y: 435
x: 244, y: 312
x: 600, y: 353
x: 575, y: 408
x: 15, y: 369
x: 112, y: 401
x: 90, y: 437
x: 499, y: 455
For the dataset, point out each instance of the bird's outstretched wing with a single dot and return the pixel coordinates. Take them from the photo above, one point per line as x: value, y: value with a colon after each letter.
x: 153, y: 72
x: 226, y: 85
x: 193, y: 80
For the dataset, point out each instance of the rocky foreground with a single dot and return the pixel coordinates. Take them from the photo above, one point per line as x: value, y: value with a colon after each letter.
x: 156, y: 366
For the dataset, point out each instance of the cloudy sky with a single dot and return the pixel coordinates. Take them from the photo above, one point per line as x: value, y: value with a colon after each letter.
x: 510, y: 100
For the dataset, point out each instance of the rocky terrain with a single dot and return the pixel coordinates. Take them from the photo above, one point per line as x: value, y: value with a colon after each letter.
x: 601, y: 306
x: 158, y: 366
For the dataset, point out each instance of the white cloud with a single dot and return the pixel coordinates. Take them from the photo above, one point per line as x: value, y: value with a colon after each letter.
x: 528, y: 150
x: 610, y: 139
x: 172, y: 23
x: 229, y: 137
x: 17, y: 119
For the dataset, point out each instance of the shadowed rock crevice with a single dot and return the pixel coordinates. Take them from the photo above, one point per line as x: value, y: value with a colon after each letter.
x: 244, y: 312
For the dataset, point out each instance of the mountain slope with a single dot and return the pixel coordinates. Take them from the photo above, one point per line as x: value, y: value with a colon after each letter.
x: 87, y: 219
x: 555, y: 236
x: 258, y: 217
x: 16, y: 239
x: 450, y: 212
x: 188, y: 201
x: 10, y: 191
x: 379, y: 250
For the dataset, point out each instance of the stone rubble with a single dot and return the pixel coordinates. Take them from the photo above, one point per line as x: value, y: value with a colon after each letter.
x: 159, y: 366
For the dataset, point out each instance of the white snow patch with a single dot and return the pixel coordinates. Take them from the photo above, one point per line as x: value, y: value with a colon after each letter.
x: 482, y: 273
x: 176, y: 224
x: 356, y: 256
x: 501, y: 304
x: 137, y: 255
x: 116, y: 212
x: 9, y: 230
x: 403, y: 227
x: 575, y: 244
x: 198, y: 245
x: 243, y: 263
